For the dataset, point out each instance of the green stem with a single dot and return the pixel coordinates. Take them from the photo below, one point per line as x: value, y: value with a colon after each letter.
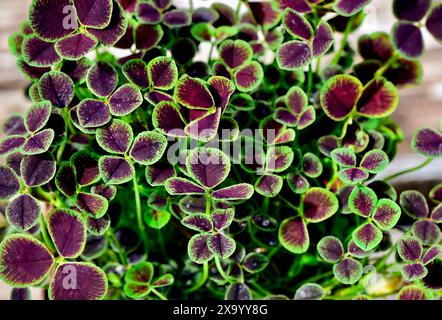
x: 159, y: 294
x: 387, y: 65
x: 212, y: 47
x: 220, y: 269
x: 238, y: 8
x: 139, y: 213
x: 191, y: 5
x: 415, y: 168
x: 45, y: 235
x: 121, y: 255
x: 202, y: 280
x: 208, y: 202
x: 310, y: 80
x: 262, y: 290
x: 318, y: 277
x: 343, y: 41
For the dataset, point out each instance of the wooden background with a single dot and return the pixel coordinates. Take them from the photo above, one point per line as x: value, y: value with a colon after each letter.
x: 418, y: 106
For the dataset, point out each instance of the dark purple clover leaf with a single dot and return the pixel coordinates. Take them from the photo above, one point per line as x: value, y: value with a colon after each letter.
x: 221, y: 245
x: 414, y: 271
x: 222, y: 219
x: 386, y: 214
x: 155, y: 97
x: 115, y: 30
x: 296, y: 25
x: 14, y: 125
x: 94, y: 13
x: 339, y: 96
x: 362, y: 201
x: 344, y: 157
x: 306, y: 118
x: 39, y: 53
x: 408, y: 39
x: 193, y: 93
x: 379, y: 99
x: 158, y: 173
x: 293, y: 235
x: 198, y: 222
x: 235, y: 54
x: 297, y: 183
x: 296, y: 100
x: 279, y: 158
x: 330, y: 249
x: 148, y: 36
x: 86, y: 165
x: 38, y: 143
x: 436, y: 193
x: 208, y: 166
x: 37, y: 116
x: 11, y: 144
x: 125, y: 100
x: 434, y: 22
x: 238, y: 291
x: 76, y: 46
x: 348, y: 8
x: 311, y: 165
x: 24, y: 261
x: 285, y: 117
x: 431, y: 254
x: 327, y: 144
x: 348, y: 271
x: 414, y: 204
x: 116, y: 170
x: 367, y: 236
x: 436, y: 214
x: 31, y: 73
x: 410, y: 249
x: 375, y: 161
x: 91, y: 282
x: 323, y: 39
x: 147, y: 13
x: 182, y: 186
x: 310, y: 291
x: 23, y: 212
x: 411, y: 10
x: 92, y: 205
x: 93, y: 113
x: 98, y: 227
x: 56, y: 87
x: 427, y: 232
x: 354, y: 250
x: 414, y: 292
x: 264, y: 14
x: 353, y: 176
x: 199, y: 250
x: 162, y: 73
x: 255, y: 262
x: 167, y: 118
x: 269, y: 185
x: 36, y: 170
x: 148, y: 147
x: 221, y: 89
x: 427, y: 142
x: 47, y: 19
x: 177, y: 18
x: 102, y: 79
x: 69, y: 244
x: 293, y: 55
x: 319, y: 204
x: 107, y: 191
x: 116, y: 137
x: 137, y: 73
x: 204, y: 128
x: 241, y: 191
